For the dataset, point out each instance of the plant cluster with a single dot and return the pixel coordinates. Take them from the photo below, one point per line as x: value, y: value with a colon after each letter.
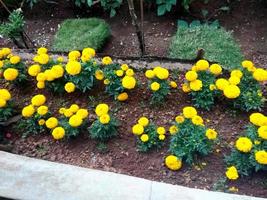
x: 250, y: 152
x: 189, y: 138
x: 149, y: 136
x: 242, y: 89
x: 6, y: 105
x: 105, y: 126
x: 159, y: 84
x: 12, y: 69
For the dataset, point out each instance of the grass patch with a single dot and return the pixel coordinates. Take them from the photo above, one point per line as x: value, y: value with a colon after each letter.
x: 77, y: 34
x: 218, y: 44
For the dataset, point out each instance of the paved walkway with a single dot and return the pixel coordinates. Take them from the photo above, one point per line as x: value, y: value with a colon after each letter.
x: 32, y: 179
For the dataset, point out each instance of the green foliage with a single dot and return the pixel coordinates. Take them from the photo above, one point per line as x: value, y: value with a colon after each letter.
x: 190, y: 141
x: 77, y: 34
x: 153, y: 142
x: 103, y: 132
x: 70, y: 132
x: 158, y: 97
x: 251, y: 95
x: 6, y: 112
x: 218, y: 44
x: 14, y: 27
x: 204, y: 98
x: 246, y: 162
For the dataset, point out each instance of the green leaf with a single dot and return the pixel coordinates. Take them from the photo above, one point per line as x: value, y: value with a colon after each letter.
x: 195, y: 23
x: 182, y: 24
x: 161, y: 10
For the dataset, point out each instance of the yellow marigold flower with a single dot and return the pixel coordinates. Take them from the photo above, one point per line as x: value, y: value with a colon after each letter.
x: 186, y: 88
x: 191, y: 75
x: 42, y: 110
x: 74, y: 108
x: 38, y: 100
x: 173, y: 163
x: 129, y: 72
x: 41, y: 77
x: 61, y: 111
x: 106, y: 82
x: 28, y: 111
x: 58, y: 71
x: 179, y: 119
x: 2, y: 103
x: 75, y: 121
x: 161, y: 73
x: 58, y: 133
x: 162, y: 137
x: 173, y: 129
x: 14, y: 60
x: 124, y: 67
x: 161, y: 130
x: 247, y: 64
x: 83, y: 113
x: 104, y: 119
x: 173, y: 84
x: 155, y: 86
x: 128, y: 82
x: 51, y: 123
x: 74, y: 55
x: 40, y: 84
x: 150, y: 74
x: 144, y: 138
x: 211, y: 134
x: 41, y: 122
x: 34, y: 70
x: 43, y: 59
x: 6, y: 51
x: 194, y: 68
x: 258, y: 119
x: 89, y: 51
x: 99, y: 75
x: 257, y: 142
x: 49, y: 75
x: 262, y: 131
x: 234, y: 80
x: 196, y: 85
x: 231, y: 91
x: 212, y: 87
x: 70, y: 87
x: 119, y: 73
x: 122, y: 97
x: 261, y: 157
x: 237, y: 73
x: 202, y: 65
x: 42, y: 50
x: 106, y: 60
x: 143, y: 121
x: 68, y: 113
x: 101, y: 109
x: 138, y: 129
x: 243, y: 144
x: 232, y: 173
x: 11, y: 74
x: 215, y: 69
x: 221, y: 83
x: 197, y: 120
x: 5, y: 94
x: 60, y: 59
x: 260, y: 74
x: 85, y: 58
x: 189, y: 112
x: 73, y: 67
x: 1, y: 64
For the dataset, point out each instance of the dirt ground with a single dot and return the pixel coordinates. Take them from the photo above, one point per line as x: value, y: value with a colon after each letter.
x: 249, y: 25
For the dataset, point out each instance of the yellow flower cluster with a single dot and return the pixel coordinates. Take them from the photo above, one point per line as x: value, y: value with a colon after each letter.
x: 4, y: 97
x: 102, y: 113
x: 37, y: 104
x: 259, y: 74
x: 173, y: 162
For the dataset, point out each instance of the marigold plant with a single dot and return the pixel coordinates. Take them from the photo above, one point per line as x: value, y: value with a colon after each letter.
x: 250, y: 151
x: 149, y: 136
x: 6, y: 105
x: 190, y: 137
x: 105, y: 126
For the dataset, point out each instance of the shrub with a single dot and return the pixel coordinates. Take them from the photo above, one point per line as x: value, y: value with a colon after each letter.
x: 250, y: 152
x: 190, y: 137
x: 218, y: 44
x: 6, y: 105
x: 81, y: 33
x: 105, y: 126
x: 149, y: 136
